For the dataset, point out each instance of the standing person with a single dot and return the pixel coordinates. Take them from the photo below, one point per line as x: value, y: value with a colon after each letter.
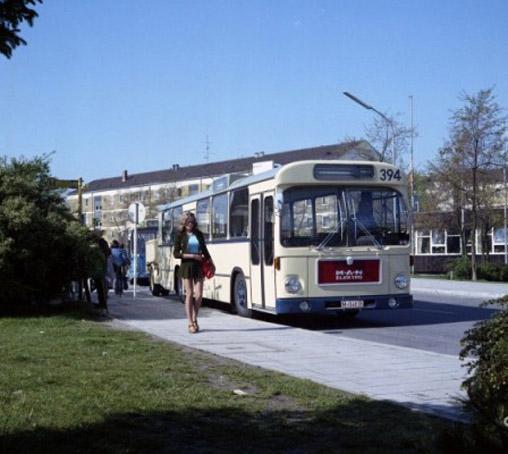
x: 190, y: 246
x: 120, y: 261
x: 127, y: 264
x: 100, y: 274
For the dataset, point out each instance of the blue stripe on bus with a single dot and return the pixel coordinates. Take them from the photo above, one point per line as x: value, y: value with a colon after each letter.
x: 327, y: 305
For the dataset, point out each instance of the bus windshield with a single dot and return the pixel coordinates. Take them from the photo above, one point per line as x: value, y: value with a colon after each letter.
x: 343, y: 216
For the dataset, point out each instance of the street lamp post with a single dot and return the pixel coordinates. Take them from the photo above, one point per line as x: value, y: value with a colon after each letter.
x: 382, y: 115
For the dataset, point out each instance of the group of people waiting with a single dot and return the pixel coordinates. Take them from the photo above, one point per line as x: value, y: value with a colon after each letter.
x: 115, y: 262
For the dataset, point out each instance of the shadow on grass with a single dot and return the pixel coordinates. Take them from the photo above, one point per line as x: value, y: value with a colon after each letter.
x: 359, y: 425
x: 71, y: 309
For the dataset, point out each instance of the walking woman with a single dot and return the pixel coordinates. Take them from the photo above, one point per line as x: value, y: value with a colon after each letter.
x: 191, y: 248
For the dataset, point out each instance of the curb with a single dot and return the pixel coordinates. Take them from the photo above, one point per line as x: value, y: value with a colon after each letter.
x: 448, y: 292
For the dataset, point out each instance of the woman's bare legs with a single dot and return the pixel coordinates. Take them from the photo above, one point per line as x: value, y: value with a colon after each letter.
x: 198, y: 298
x: 189, y: 304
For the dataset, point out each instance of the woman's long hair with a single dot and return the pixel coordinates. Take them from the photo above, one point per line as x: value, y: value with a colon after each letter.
x: 188, y: 216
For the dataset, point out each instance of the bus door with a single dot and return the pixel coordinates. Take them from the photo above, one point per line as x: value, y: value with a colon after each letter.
x: 262, y: 274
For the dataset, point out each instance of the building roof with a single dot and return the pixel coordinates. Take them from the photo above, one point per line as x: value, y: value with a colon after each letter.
x: 348, y: 150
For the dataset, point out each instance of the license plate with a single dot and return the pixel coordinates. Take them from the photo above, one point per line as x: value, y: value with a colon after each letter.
x: 351, y: 304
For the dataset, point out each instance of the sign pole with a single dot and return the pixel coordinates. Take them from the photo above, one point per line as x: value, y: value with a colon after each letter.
x: 136, y: 214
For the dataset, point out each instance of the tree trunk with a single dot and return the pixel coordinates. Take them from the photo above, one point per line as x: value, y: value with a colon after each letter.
x: 475, y: 216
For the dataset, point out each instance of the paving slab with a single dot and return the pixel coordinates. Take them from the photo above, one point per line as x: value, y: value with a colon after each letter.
x: 418, y: 379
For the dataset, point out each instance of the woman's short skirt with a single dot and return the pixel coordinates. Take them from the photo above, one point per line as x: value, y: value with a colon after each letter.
x: 191, y: 269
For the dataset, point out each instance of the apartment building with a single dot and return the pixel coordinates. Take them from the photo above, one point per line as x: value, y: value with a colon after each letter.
x: 105, y: 201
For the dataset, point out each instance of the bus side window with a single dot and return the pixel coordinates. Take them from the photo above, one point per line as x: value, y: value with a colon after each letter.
x: 203, y: 216
x: 254, y: 232
x: 175, y: 224
x: 238, y: 214
x: 166, y: 226
x: 268, y: 231
x: 219, y: 217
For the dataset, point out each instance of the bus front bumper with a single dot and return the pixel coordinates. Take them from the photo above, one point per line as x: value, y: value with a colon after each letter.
x: 342, y: 304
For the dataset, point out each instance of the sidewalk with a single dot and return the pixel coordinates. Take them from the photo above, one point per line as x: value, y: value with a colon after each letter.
x: 487, y: 290
x: 424, y: 381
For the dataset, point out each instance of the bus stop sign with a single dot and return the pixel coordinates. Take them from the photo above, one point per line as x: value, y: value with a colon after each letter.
x: 136, y: 212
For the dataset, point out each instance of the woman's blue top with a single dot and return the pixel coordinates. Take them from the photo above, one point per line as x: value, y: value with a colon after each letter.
x: 193, y: 245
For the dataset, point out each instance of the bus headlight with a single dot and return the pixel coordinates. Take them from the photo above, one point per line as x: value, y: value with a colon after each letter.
x: 292, y: 284
x: 401, y: 281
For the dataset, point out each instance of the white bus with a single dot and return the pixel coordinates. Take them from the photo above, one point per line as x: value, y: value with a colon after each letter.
x: 306, y: 237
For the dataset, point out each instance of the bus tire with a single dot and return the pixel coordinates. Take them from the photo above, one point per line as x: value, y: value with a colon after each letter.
x: 240, y: 296
x: 156, y: 289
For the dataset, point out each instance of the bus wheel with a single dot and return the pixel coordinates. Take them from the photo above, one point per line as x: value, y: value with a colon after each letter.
x: 156, y: 289
x: 240, y: 296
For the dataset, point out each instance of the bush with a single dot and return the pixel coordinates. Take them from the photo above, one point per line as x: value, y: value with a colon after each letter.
x: 42, y: 246
x: 503, y: 273
x: 461, y: 268
x: 489, y: 271
x: 485, y: 348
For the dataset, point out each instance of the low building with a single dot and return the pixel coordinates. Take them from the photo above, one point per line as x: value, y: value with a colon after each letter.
x: 437, y: 239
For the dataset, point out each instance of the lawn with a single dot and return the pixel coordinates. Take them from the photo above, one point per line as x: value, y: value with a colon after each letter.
x: 69, y: 383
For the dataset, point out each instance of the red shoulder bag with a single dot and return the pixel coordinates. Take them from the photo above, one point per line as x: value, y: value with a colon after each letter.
x: 207, y: 268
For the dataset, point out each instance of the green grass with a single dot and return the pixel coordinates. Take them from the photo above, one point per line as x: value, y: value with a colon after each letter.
x: 70, y: 384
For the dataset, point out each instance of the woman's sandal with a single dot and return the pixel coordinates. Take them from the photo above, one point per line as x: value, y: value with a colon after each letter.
x: 196, y: 326
x: 192, y: 328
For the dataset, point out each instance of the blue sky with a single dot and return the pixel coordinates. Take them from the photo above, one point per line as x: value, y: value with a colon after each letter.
x: 139, y: 84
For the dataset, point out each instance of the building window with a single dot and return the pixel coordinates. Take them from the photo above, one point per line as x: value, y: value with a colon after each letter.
x: 452, y: 243
x: 438, y: 241
x: 97, y: 203
x: 193, y: 189
x: 468, y: 241
x: 423, y: 242
x: 498, y: 240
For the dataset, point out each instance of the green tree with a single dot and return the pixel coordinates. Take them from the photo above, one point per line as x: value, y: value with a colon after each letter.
x: 463, y: 169
x: 12, y: 14
x: 42, y: 246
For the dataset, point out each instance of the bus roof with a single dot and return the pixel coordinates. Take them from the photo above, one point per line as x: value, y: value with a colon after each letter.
x: 240, y: 183
x: 262, y: 176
